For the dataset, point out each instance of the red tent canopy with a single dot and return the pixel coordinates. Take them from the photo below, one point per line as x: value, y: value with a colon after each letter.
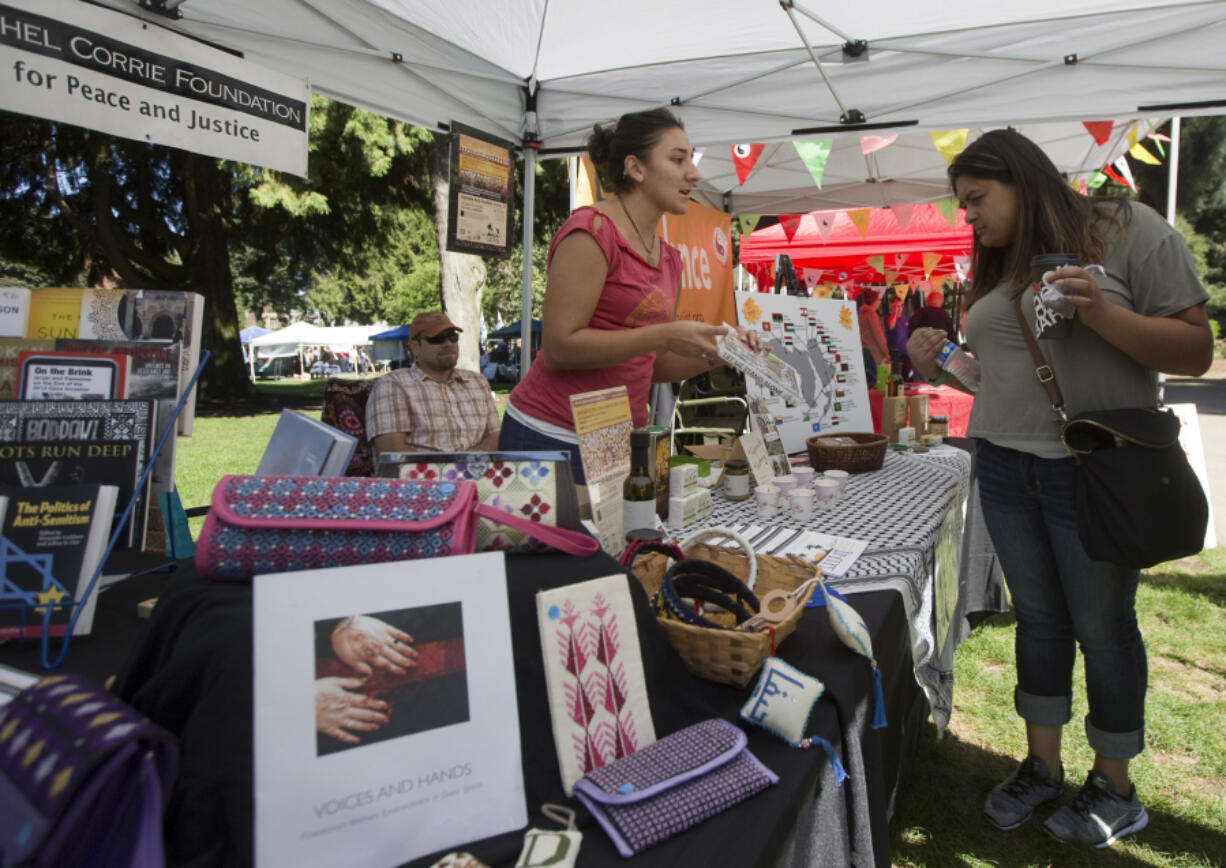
x: 843, y: 256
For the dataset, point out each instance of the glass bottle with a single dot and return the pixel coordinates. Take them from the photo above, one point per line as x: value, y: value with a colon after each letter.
x: 639, y: 489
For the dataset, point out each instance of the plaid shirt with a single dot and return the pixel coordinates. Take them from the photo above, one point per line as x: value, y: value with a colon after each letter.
x: 452, y: 416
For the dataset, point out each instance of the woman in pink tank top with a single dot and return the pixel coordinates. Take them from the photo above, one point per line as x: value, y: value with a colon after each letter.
x: 611, y: 298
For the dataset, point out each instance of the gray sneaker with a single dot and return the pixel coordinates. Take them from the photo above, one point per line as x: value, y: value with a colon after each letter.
x: 1013, y: 801
x: 1098, y: 815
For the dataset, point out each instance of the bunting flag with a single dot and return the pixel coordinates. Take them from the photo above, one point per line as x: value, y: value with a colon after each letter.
x: 814, y: 155
x: 1158, y: 139
x: 903, y: 212
x: 877, y: 262
x: 901, y: 290
x: 1096, y: 180
x: 962, y: 267
x: 1138, y: 152
x: 697, y: 157
x: 825, y: 290
x: 743, y: 158
x: 890, y: 276
x: 1100, y: 130
x: 930, y: 262
x: 812, y: 276
x: 1124, y: 169
x: 868, y: 144
x: 899, y: 259
x: 824, y: 221
x: 949, y: 209
x: 747, y: 222
x: 949, y: 143
x: 1083, y: 188
x: 860, y: 216
x: 790, y: 223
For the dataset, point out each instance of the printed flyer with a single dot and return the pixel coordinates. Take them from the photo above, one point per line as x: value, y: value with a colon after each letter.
x: 820, y: 338
x: 386, y: 724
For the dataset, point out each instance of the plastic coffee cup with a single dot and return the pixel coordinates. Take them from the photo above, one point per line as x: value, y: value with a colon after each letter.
x: 766, y: 497
x: 803, y: 476
x: 1047, y: 323
x: 839, y: 476
x: 826, y: 490
x: 800, y: 502
x: 784, y: 484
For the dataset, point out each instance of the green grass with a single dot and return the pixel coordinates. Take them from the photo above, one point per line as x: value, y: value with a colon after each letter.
x: 1181, y: 776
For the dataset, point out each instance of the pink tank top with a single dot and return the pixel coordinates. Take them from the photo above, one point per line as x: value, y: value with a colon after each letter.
x: 635, y: 294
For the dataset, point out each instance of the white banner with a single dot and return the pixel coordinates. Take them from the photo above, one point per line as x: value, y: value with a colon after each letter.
x: 81, y: 64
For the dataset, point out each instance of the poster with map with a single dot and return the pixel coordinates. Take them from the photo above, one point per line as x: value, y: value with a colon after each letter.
x: 820, y: 338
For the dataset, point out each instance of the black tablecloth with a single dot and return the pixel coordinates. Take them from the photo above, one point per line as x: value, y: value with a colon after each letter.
x: 190, y: 670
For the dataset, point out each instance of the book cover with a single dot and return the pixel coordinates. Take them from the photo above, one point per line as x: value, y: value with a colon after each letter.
x: 302, y: 446
x: 125, y: 315
x: 53, y: 539
x: 14, y: 311
x: 154, y: 375
x: 10, y: 349
x: 408, y: 759
x: 62, y: 376
x: 67, y: 442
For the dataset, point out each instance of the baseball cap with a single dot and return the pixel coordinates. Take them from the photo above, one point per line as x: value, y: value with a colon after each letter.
x: 429, y: 324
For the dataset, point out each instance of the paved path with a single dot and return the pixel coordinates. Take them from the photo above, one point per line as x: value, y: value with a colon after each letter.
x: 1208, y: 393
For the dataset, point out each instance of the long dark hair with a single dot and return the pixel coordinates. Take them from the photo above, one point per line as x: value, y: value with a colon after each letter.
x: 634, y: 134
x: 1051, y: 216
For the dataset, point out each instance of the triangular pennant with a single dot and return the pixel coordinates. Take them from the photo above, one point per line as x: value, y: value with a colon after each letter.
x: 790, y: 223
x: 1126, y: 170
x: 747, y: 222
x: 824, y: 221
x: 1096, y: 180
x: 877, y: 262
x: 930, y: 262
x: 899, y: 259
x: 1138, y: 152
x: 812, y: 276
x: 696, y: 158
x: 814, y: 155
x: 949, y: 143
x: 1158, y: 139
x: 1083, y: 188
x: 1114, y: 176
x: 743, y: 158
x: 860, y: 216
x: 890, y: 276
x: 1132, y: 134
x: 868, y: 144
x: 949, y: 209
x: 903, y: 212
x: 901, y: 290
x: 1100, y: 130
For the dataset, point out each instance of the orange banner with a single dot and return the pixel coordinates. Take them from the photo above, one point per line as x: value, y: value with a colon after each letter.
x: 703, y: 236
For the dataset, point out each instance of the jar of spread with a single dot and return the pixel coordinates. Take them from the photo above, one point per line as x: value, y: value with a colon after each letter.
x: 938, y: 425
x: 736, y: 480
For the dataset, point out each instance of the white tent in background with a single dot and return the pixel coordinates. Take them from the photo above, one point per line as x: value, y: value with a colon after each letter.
x: 293, y: 340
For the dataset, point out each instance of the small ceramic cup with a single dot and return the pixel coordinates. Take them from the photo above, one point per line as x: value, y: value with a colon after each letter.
x: 767, y: 499
x: 839, y: 476
x: 803, y: 475
x: 826, y: 491
x: 784, y: 484
x: 800, y: 502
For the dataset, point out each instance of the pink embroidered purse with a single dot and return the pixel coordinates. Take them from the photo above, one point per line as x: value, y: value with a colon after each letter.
x: 275, y: 524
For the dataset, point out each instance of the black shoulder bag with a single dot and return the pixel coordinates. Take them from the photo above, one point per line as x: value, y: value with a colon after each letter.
x: 1139, y: 502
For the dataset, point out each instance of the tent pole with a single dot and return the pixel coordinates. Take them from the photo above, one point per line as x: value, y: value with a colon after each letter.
x: 1172, y: 181
x: 525, y: 321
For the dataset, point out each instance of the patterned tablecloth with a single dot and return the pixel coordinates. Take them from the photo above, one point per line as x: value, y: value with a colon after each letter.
x: 911, y: 514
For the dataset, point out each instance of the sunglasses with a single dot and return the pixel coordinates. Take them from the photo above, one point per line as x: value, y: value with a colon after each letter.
x: 450, y: 335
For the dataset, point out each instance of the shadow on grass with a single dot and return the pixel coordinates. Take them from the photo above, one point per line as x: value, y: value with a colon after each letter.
x: 1209, y: 586
x: 938, y: 821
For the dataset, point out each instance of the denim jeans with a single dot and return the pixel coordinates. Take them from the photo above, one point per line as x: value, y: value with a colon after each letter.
x: 518, y: 437
x: 1061, y: 597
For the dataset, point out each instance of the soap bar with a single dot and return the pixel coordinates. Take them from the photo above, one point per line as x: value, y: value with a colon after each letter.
x: 682, y: 479
x: 689, y: 508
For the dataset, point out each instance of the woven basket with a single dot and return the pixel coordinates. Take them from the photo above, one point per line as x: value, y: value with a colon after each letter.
x: 726, y: 656
x: 866, y: 454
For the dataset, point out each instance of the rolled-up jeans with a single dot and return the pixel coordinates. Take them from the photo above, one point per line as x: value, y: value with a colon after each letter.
x: 1062, y: 596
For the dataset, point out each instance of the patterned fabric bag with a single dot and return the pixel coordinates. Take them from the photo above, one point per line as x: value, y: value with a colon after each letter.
x: 674, y: 784
x: 83, y: 779
x: 276, y: 524
x: 536, y: 486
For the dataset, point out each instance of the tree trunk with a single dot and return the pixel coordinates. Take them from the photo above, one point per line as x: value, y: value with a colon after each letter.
x: 206, y: 199
x: 462, y: 275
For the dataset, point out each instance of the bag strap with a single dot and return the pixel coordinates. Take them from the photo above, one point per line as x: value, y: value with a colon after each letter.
x: 572, y: 542
x: 1042, y: 369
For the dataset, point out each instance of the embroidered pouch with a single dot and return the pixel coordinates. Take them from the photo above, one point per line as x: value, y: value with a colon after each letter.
x: 83, y: 778
x: 672, y: 785
x: 275, y: 524
x: 535, y: 486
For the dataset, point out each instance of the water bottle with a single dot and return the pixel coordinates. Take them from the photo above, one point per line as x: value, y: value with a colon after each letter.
x: 965, y: 367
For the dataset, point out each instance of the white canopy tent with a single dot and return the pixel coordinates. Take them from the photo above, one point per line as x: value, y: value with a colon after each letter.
x: 291, y: 340
x: 543, y: 71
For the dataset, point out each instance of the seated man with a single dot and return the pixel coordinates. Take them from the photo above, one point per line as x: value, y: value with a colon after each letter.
x: 432, y: 406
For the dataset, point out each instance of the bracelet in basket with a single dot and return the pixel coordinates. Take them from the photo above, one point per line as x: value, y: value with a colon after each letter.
x: 709, y: 583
